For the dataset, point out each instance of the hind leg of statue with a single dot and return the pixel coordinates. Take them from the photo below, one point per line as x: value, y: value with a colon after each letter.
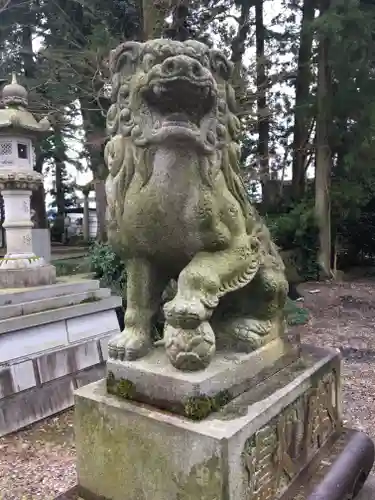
x: 144, y: 290
x: 188, y: 336
x: 258, y: 316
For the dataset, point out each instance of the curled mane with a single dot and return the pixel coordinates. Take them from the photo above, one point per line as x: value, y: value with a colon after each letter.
x: 125, y: 159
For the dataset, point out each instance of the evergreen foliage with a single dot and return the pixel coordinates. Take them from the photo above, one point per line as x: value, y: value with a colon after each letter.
x: 304, y: 78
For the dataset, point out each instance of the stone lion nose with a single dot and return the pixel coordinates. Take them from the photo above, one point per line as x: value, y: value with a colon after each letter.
x: 182, y: 66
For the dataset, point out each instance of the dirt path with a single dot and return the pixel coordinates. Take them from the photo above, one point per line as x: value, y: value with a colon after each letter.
x: 40, y: 462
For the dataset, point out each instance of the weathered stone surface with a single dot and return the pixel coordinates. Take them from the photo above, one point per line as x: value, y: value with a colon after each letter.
x: 252, y: 449
x: 27, y: 277
x: 23, y: 376
x: 52, y: 303
x: 82, y: 327
x: 60, y: 363
x: 19, y: 411
x: 78, y: 326
x: 17, y: 344
x: 104, y: 347
x: 156, y: 380
x: 89, y: 376
x: 63, y: 286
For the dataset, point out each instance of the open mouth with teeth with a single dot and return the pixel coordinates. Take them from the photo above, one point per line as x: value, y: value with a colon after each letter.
x: 179, y: 104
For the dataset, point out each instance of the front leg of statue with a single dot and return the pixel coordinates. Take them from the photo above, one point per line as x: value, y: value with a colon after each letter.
x: 144, y: 290
x: 188, y: 336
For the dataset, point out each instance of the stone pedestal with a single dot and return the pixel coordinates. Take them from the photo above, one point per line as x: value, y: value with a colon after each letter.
x: 41, y: 243
x: 279, y: 438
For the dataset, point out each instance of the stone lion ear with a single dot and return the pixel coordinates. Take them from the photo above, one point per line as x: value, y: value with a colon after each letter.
x: 125, y: 56
x: 220, y: 64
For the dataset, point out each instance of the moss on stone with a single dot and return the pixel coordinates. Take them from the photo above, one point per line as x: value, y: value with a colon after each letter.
x: 113, y: 456
x: 110, y: 379
x: 221, y: 399
x: 122, y: 388
x: 199, y: 407
x: 89, y: 300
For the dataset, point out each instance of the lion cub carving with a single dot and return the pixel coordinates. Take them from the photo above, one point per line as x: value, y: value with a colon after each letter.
x: 178, y: 210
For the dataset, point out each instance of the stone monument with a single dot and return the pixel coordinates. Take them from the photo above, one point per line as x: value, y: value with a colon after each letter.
x: 18, y: 127
x: 226, y: 406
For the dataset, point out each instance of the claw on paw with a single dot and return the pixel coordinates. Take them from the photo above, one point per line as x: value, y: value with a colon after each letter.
x: 129, y: 345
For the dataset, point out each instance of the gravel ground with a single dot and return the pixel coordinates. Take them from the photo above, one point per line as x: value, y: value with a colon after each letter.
x: 343, y: 316
x: 39, y: 462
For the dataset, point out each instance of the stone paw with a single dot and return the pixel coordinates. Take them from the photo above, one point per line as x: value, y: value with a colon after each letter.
x: 129, y: 345
x: 250, y: 327
x: 188, y: 314
x: 244, y: 335
x: 190, y: 350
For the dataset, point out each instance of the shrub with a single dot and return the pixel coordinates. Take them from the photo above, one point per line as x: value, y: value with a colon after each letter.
x: 108, y: 267
x: 294, y: 314
x: 57, y: 229
x: 297, y: 230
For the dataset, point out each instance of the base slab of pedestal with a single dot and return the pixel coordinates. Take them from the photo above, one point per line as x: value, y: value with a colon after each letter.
x: 258, y: 447
x: 28, y: 276
x: 154, y: 380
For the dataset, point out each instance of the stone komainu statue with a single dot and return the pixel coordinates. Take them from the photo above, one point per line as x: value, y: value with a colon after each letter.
x: 178, y: 210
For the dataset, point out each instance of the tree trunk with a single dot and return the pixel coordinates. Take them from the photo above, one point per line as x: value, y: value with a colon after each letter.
x: 323, y: 160
x: 59, y: 157
x: 38, y: 196
x: 179, y: 30
x: 94, y: 126
x: 60, y: 201
x: 263, y: 122
x: 238, y: 47
x: 154, y: 13
x: 101, y: 204
x: 301, y: 121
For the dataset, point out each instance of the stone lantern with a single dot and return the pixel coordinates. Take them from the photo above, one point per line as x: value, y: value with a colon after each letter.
x: 18, y: 128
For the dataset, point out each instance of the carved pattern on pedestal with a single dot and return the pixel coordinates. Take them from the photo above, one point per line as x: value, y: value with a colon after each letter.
x: 26, y: 239
x: 275, y: 454
x: 20, y: 180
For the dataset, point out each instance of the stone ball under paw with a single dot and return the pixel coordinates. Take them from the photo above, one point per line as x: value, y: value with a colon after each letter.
x: 190, y: 349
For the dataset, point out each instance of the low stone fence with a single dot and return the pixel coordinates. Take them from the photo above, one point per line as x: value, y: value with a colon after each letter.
x: 53, y: 339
